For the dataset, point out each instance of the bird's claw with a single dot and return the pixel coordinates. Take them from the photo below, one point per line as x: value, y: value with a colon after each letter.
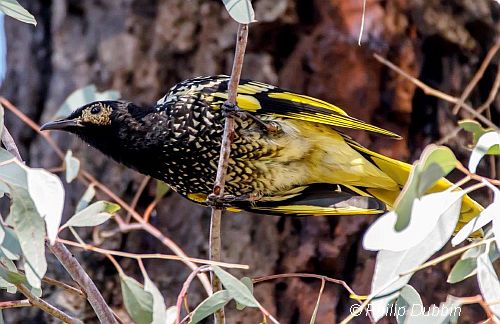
x: 220, y: 202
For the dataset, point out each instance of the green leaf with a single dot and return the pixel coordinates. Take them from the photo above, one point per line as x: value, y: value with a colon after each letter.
x: 426, y: 212
x: 210, y: 305
x: 390, y: 264
x: 87, y: 197
x: 95, y: 214
x: 463, y: 269
x: 408, y: 300
x: 240, y: 10
x: 138, y: 302
x: 159, y: 309
x: 161, y: 189
x: 488, y: 282
x: 30, y: 230
x: 249, y: 284
x: 84, y: 96
x: 435, y: 163
x: 486, y: 142
x: 12, y: 277
x: 72, y: 166
x: 47, y: 193
x: 15, y: 10
x: 236, y: 288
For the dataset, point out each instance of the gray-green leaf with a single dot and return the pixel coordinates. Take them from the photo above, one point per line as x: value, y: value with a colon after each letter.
x: 240, y: 10
x: 72, y: 166
x: 30, y: 230
x: 210, y: 305
x: 483, y: 146
x: 408, y: 300
x: 95, y: 214
x: 236, y: 288
x: 159, y: 309
x: 138, y: 302
x: 463, y: 269
x: 15, y: 10
x: 488, y: 282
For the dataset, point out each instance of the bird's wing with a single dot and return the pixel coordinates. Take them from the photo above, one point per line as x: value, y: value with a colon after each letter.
x: 264, y: 99
x: 316, y: 200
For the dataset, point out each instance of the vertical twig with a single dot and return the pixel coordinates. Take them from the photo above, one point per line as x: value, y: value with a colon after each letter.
x: 362, y: 23
x: 215, y: 222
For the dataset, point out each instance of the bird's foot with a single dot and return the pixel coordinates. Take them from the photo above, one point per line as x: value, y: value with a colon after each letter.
x: 232, y: 110
x: 229, y: 200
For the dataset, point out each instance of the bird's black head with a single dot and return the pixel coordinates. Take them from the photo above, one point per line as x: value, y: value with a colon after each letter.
x: 96, y: 116
x: 114, y: 127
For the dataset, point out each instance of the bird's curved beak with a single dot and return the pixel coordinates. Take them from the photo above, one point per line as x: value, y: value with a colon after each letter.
x: 61, y: 124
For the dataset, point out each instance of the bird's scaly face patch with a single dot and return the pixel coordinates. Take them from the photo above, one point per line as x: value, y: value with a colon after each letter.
x: 97, y: 114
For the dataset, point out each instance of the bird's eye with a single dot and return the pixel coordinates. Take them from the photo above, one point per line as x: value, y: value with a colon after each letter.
x: 95, y: 110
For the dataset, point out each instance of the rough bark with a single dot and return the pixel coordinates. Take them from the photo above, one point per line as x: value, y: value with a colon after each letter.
x: 141, y: 48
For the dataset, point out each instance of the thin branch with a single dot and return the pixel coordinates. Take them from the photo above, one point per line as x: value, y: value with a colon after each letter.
x: 15, y: 304
x: 62, y: 285
x: 434, y: 92
x: 137, y: 196
x: 138, y: 256
x: 474, y: 176
x: 479, y: 74
x: 185, y: 288
x: 46, y: 307
x: 308, y: 275
x: 493, y: 93
x: 225, y: 151
x: 315, y: 312
x: 79, y: 275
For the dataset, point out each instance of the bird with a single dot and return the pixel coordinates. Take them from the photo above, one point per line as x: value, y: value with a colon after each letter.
x: 289, y: 155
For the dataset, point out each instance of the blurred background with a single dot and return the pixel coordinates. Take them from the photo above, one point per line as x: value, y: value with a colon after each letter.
x: 143, y: 47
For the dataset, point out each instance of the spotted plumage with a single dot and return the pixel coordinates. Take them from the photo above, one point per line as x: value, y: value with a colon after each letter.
x: 306, y: 166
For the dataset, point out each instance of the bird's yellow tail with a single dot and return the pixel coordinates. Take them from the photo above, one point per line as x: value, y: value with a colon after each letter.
x: 399, y: 172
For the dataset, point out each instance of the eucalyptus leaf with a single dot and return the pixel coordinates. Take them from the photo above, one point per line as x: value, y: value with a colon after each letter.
x: 171, y: 315
x: 486, y: 142
x: 435, y: 163
x: 425, y: 213
x: 84, y: 96
x: 95, y: 214
x: 10, y: 246
x: 71, y: 165
x: 247, y: 282
x: 47, y: 193
x: 489, y: 283
x: 159, y: 309
x: 30, y: 230
x: 240, y: 10
x: 87, y: 197
x: 15, y: 10
x: 161, y: 189
x: 387, y: 280
x: 138, y: 302
x: 407, y: 301
x: 463, y: 269
x: 477, y: 131
x: 210, y: 305
x: 236, y: 288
